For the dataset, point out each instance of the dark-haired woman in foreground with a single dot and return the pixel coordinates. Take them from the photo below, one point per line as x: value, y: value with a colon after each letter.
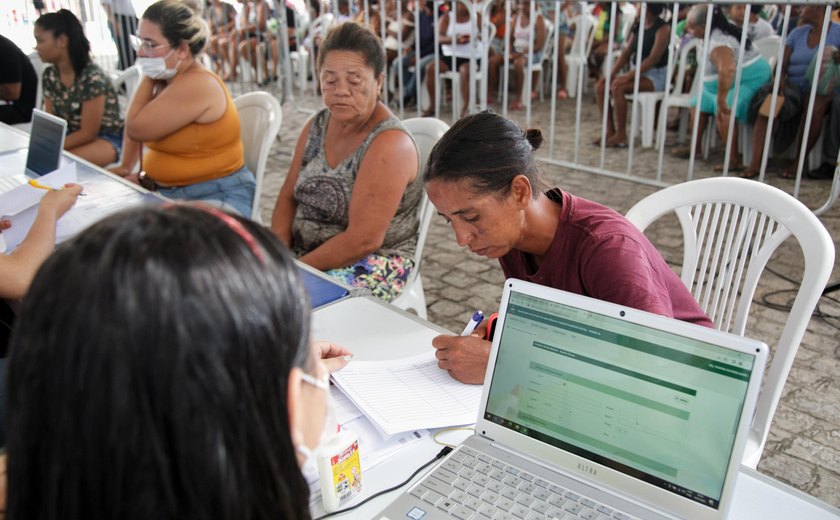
x: 497, y: 207
x: 165, y: 375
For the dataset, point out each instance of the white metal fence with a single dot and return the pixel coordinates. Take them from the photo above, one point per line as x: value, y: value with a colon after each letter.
x: 400, y: 30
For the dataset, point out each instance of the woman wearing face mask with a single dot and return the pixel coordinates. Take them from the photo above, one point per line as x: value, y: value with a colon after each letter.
x: 183, y: 116
x: 180, y: 385
x: 77, y: 90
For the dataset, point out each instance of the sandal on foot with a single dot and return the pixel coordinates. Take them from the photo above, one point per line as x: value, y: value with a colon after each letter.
x: 748, y: 174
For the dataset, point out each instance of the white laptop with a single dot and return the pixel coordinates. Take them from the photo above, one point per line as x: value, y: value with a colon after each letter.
x: 598, y: 411
x: 46, y: 142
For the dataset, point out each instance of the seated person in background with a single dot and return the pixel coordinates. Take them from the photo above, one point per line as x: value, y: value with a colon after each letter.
x: 547, y: 7
x: 253, y: 25
x: 203, y: 402
x: 221, y: 18
x: 77, y: 90
x: 454, y: 33
x: 800, y: 48
x: 370, y: 19
x: 349, y: 203
x: 408, y: 62
x: 520, y: 39
x: 18, y: 84
x: 184, y: 115
x: 831, y: 140
x: 758, y: 27
x: 718, y: 92
x: 653, y: 74
x: 483, y: 179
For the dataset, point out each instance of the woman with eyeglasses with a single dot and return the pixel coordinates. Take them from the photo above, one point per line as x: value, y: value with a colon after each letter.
x: 78, y: 90
x: 180, y: 382
x: 182, y: 119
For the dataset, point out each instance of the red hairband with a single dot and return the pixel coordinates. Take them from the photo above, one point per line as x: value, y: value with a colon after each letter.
x: 237, y: 228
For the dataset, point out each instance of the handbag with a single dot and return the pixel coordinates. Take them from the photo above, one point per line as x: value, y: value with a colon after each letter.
x: 764, y: 109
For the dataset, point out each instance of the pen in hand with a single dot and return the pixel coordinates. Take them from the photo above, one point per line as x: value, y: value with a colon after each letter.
x: 477, y: 318
x: 40, y: 186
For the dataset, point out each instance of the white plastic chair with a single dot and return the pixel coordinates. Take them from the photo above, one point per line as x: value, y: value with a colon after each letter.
x: 769, y: 48
x: 303, y: 59
x: 426, y: 132
x: 731, y: 227
x: 260, y: 117
x: 39, y: 67
x: 482, y: 48
x: 580, y: 50
x: 677, y: 99
x: 130, y: 78
x: 544, y: 63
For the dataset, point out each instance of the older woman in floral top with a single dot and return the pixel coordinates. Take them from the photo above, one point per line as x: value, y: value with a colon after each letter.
x: 77, y: 90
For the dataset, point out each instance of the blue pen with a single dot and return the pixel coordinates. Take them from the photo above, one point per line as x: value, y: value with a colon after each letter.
x: 477, y: 318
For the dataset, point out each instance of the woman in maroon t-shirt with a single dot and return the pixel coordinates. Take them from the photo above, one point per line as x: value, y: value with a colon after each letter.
x: 483, y: 179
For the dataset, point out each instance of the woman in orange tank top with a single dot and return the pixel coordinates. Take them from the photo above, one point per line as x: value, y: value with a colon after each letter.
x: 183, y: 116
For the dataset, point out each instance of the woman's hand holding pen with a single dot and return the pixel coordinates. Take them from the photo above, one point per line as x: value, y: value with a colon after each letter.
x: 335, y: 357
x: 57, y: 202
x: 464, y: 357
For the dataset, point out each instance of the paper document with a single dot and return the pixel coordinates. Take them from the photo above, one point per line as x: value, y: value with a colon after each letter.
x: 25, y: 196
x: 408, y: 394
x: 20, y: 205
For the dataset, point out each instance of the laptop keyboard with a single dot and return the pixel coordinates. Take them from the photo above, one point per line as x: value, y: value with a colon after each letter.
x: 9, y: 183
x: 475, y: 486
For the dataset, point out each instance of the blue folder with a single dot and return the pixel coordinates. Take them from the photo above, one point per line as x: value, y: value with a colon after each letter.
x: 321, y: 290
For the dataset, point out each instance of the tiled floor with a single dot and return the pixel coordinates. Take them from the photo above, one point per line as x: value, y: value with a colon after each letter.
x: 804, y: 445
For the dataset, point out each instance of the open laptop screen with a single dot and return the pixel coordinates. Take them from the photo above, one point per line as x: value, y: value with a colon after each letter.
x: 657, y: 406
x: 46, y: 142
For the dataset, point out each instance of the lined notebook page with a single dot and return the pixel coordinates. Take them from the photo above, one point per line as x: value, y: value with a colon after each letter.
x: 408, y: 394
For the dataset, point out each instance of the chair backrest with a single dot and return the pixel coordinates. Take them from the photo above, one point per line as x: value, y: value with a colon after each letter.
x: 426, y: 132
x: 730, y: 228
x: 769, y: 48
x: 130, y: 78
x: 584, y: 34
x: 260, y: 117
x: 39, y: 67
x: 694, y: 44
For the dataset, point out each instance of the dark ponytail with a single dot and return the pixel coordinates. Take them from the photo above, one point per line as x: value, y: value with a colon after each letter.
x: 78, y: 46
x: 488, y: 150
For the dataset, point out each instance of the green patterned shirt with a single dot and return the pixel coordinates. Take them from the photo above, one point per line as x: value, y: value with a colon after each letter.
x: 90, y: 84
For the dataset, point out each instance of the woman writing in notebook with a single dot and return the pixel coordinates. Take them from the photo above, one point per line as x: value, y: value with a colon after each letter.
x: 497, y: 206
x: 77, y: 90
x: 184, y: 117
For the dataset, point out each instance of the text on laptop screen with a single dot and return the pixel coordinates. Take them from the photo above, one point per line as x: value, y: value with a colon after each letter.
x: 657, y: 406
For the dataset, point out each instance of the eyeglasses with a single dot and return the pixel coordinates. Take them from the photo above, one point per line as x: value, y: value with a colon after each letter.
x: 323, y: 384
x: 147, y: 47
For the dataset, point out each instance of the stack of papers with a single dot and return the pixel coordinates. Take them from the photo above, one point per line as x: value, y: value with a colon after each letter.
x: 408, y: 394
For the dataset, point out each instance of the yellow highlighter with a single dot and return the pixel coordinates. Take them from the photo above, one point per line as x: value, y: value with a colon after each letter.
x: 40, y: 186
x: 36, y: 184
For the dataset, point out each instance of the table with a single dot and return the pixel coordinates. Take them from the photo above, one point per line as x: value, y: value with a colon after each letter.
x: 106, y: 193
x: 374, y: 330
